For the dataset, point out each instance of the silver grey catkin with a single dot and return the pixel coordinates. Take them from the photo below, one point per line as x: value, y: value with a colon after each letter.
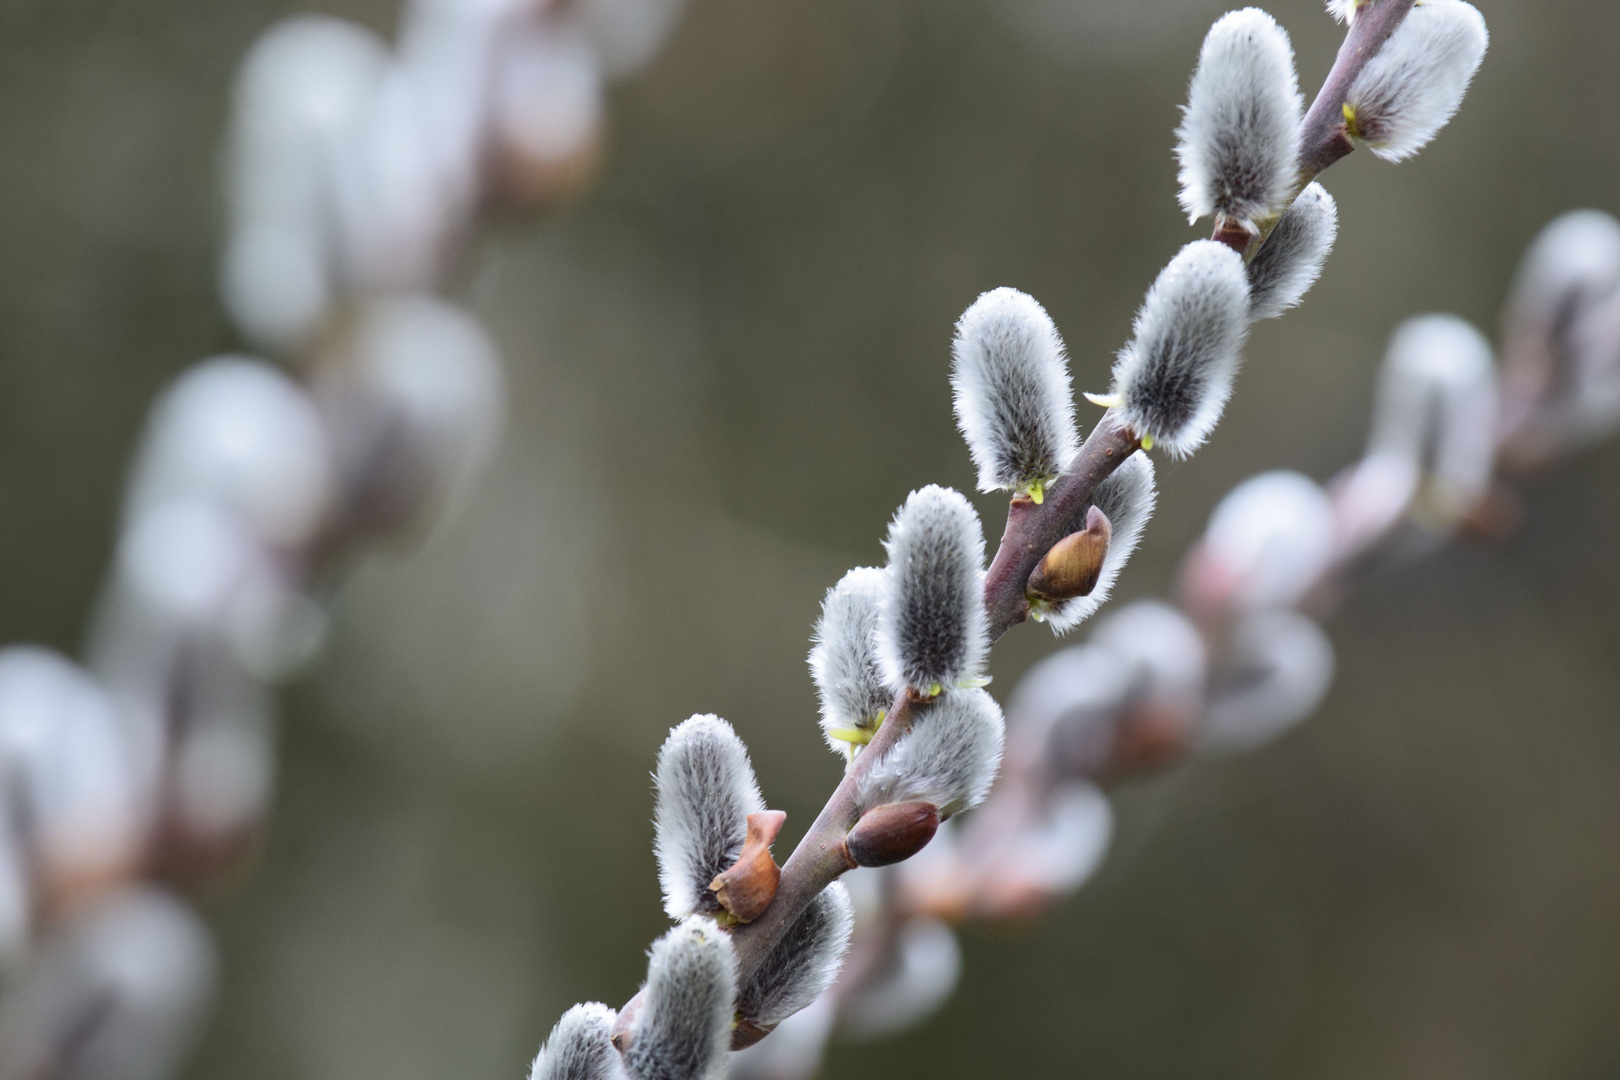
x: 1285, y: 666
x: 1437, y: 408
x: 1239, y: 134
x: 948, y: 758
x: 1412, y: 87
x: 843, y: 659
x: 1572, y: 265
x: 932, y: 628
x: 1174, y: 377
x: 706, y: 790
x: 803, y: 964
x: 578, y: 1047
x: 1012, y: 396
x: 683, y: 1031
x: 1291, y: 259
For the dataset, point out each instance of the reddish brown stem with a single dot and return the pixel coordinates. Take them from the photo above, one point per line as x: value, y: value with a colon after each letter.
x: 1323, y: 138
x: 820, y: 858
x: 1032, y: 529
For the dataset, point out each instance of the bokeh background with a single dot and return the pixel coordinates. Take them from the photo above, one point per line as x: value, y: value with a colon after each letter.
x: 728, y: 365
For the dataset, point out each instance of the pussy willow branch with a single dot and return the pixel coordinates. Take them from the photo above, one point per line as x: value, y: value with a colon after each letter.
x: 1032, y: 528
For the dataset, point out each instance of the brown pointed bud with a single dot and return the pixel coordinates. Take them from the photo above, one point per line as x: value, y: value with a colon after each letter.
x: 1073, y: 565
x: 748, y: 888
x: 892, y: 833
x: 624, y: 1024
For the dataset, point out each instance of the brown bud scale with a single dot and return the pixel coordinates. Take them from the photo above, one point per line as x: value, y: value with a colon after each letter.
x: 749, y: 886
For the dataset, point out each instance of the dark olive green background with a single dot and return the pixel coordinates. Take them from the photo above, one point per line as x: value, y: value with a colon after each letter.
x: 728, y: 365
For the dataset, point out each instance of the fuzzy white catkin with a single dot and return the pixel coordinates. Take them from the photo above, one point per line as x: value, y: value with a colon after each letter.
x: 949, y: 757
x: 1414, y: 84
x: 1437, y: 396
x: 1561, y: 317
x: 185, y: 561
x: 1372, y: 496
x: 548, y: 95
x: 222, y: 768
x: 843, y: 660
x: 1127, y: 497
x: 683, y: 1031
x: 1174, y: 377
x: 1239, y: 134
x: 803, y: 963
x: 239, y: 432
x: 1065, y: 713
x: 706, y: 790
x: 1012, y: 395
x: 1291, y: 259
x: 579, y: 1048
x: 932, y: 628
x: 448, y: 51
x: 1272, y: 536
x: 1279, y: 668
x: 395, y: 214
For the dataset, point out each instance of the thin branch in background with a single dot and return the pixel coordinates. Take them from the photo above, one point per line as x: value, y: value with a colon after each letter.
x: 355, y: 172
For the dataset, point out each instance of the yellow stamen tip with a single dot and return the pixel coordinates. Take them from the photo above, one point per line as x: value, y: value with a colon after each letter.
x: 1350, y: 121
